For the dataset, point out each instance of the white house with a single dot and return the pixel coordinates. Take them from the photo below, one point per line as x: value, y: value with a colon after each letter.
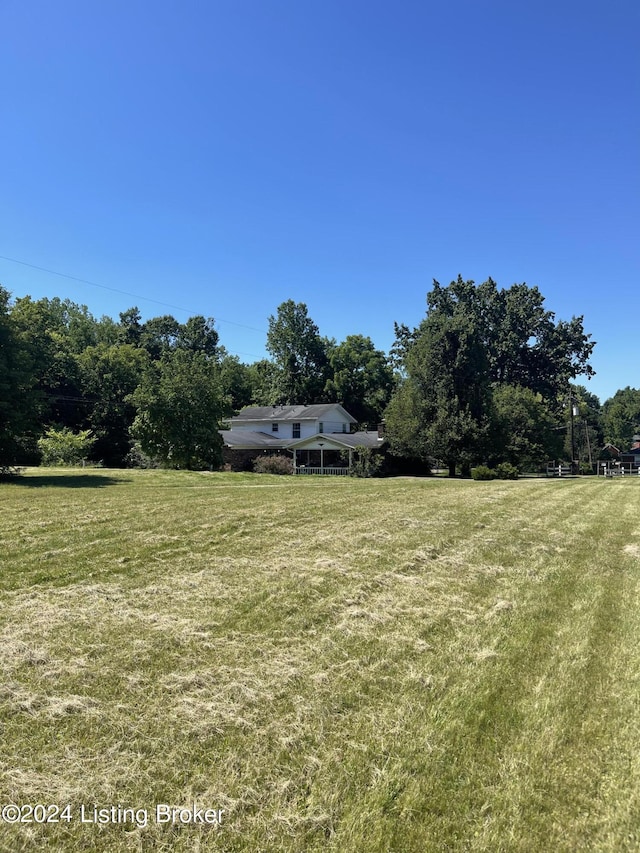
x: 319, y: 437
x: 293, y: 421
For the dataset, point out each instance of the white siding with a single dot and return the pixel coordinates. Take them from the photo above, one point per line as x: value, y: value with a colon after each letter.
x: 333, y: 421
x: 285, y: 428
x: 257, y: 426
x: 336, y: 426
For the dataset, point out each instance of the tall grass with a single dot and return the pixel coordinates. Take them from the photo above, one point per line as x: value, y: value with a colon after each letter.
x: 350, y: 665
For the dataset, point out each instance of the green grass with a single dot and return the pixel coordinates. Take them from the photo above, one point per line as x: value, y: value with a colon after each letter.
x: 349, y: 665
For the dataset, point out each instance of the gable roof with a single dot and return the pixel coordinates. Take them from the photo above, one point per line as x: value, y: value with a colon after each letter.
x: 247, y: 440
x: 343, y: 439
x: 290, y: 413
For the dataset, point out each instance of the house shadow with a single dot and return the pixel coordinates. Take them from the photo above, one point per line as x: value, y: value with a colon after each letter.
x: 67, y: 481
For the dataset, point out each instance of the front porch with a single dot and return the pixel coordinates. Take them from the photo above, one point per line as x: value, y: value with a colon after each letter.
x: 303, y: 469
x: 322, y: 457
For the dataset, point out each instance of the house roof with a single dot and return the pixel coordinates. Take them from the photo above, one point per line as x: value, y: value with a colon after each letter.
x: 345, y: 439
x: 248, y: 440
x: 290, y: 413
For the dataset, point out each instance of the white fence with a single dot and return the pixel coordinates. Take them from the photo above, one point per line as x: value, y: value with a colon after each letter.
x: 306, y: 469
x: 554, y: 470
x: 618, y: 469
x: 607, y: 469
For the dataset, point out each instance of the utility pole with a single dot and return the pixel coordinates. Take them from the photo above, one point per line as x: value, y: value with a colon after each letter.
x: 574, y: 413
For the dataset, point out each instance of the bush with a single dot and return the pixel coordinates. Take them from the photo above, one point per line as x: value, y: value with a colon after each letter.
x: 137, y: 458
x: 482, y: 472
x: 65, y: 447
x: 506, y: 471
x: 366, y: 463
x: 273, y: 465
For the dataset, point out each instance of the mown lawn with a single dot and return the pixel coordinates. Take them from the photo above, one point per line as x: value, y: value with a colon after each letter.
x: 385, y: 665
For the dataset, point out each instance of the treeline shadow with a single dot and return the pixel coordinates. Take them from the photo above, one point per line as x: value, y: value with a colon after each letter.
x: 67, y: 481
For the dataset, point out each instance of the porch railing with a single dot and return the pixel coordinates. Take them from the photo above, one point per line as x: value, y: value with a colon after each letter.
x: 308, y: 469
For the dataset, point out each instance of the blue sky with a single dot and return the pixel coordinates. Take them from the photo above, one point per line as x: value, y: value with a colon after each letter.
x: 221, y: 157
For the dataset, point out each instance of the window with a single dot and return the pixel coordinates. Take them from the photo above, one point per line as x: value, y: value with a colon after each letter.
x: 274, y: 427
x: 296, y: 431
x: 344, y: 427
x: 320, y: 427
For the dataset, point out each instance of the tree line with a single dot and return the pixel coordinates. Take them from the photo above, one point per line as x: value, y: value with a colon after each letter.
x: 487, y: 377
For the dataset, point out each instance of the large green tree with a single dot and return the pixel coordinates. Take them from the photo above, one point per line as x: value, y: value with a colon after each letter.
x: 162, y: 334
x: 300, y: 354
x: 235, y: 380
x: 483, y: 338
x: 621, y: 416
x: 180, y: 406
x: 361, y: 379
x: 264, y: 381
x: 56, y: 332
x: 20, y: 402
x: 199, y: 334
x: 110, y: 374
x: 159, y: 335
x: 447, y: 386
x: 524, y: 343
x: 524, y: 431
x: 130, y: 326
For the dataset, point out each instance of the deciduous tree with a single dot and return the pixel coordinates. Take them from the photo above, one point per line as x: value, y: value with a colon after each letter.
x: 179, y: 409
x: 524, y: 432
x: 300, y: 353
x: 19, y: 399
x: 362, y: 379
x: 621, y: 415
x: 473, y: 341
x: 55, y: 332
x: 448, y: 386
x: 109, y: 375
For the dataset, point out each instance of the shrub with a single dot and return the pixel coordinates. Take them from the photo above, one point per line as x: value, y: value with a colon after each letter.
x: 506, y: 471
x: 137, y: 458
x: 273, y: 465
x: 482, y: 472
x: 65, y: 447
x: 366, y: 463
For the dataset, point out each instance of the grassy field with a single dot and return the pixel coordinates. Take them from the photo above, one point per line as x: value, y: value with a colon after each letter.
x: 351, y: 665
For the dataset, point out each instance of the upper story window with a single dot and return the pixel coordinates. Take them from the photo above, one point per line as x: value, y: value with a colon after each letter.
x: 295, y: 431
x: 274, y: 427
x: 320, y: 427
x: 344, y: 427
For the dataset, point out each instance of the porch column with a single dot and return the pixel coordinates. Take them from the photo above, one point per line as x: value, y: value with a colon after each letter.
x: 295, y: 462
x: 321, y: 443
x: 350, y: 459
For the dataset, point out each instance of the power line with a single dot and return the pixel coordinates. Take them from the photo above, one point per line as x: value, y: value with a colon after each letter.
x: 127, y: 293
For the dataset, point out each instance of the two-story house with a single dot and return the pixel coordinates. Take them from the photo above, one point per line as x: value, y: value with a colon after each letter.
x: 319, y: 437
